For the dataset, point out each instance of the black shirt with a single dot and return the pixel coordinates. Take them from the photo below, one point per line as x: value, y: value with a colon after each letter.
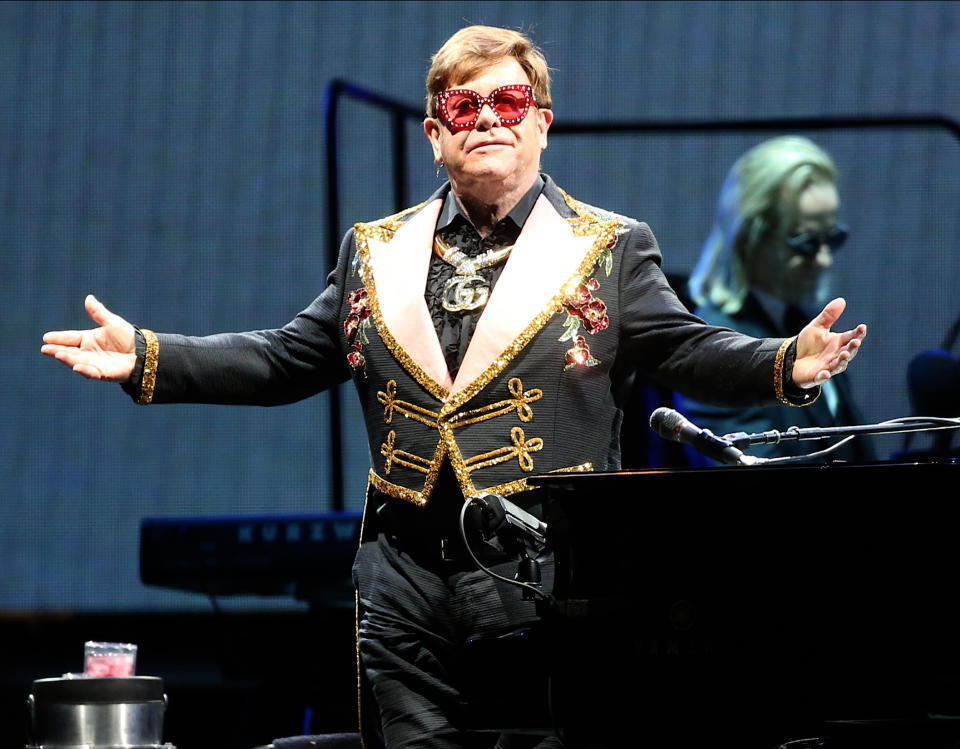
x: 454, y: 329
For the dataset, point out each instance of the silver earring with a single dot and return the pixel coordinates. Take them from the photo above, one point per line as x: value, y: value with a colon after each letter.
x: 439, y: 167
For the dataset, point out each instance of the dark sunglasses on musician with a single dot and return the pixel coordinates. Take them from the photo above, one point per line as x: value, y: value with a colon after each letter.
x: 809, y: 243
x: 459, y: 108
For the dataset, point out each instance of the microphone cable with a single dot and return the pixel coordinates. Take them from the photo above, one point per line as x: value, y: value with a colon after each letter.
x: 483, y: 568
x: 806, y: 456
x: 906, y: 421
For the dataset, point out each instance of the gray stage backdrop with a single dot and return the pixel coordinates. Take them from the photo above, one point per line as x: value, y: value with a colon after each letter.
x: 169, y: 158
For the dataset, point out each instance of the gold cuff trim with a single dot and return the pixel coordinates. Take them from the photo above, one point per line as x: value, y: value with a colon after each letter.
x: 778, y: 378
x: 149, y: 380
x: 809, y: 401
x: 778, y: 371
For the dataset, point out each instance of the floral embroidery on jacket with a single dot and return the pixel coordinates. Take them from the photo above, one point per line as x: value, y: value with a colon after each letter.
x: 355, y: 328
x: 579, y: 355
x: 357, y: 360
x: 583, y: 307
x: 606, y: 257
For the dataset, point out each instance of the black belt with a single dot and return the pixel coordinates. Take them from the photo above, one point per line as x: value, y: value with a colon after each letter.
x: 431, y: 535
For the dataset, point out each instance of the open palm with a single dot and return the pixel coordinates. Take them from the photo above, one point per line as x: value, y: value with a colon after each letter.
x: 103, y: 353
x: 821, y: 354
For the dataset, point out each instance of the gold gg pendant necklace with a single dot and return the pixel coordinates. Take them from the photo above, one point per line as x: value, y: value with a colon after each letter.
x: 467, y: 290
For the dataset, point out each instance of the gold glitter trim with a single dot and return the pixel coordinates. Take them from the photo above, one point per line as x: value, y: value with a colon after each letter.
x: 385, y: 228
x: 149, y: 381
x: 520, y: 449
x: 356, y: 645
x: 384, y: 231
x: 396, y: 491
x: 585, y: 223
x: 511, y: 487
x: 460, y: 469
x: 356, y: 617
x: 778, y: 378
x: 418, y: 497
x: 506, y: 489
x: 575, y: 469
x: 778, y: 371
x: 521, y: 485
x: 520, y: 403
x: 463, y: 471
x: 401, y: 457
x: 390, y: 403
x: 810, y: 400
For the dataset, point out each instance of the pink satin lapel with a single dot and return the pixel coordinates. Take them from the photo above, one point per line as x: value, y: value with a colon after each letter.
x: 544, y: 258
x: 400, y: 274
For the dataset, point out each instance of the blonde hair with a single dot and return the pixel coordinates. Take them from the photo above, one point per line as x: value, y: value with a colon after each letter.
x: 759, y: 198
x: 475, y: 48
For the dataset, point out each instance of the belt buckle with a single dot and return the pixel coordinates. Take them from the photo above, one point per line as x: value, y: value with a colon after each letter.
x: 446, y: 551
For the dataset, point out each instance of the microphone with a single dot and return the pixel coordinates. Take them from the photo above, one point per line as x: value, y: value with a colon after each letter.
x: 498, y: 513
x: 672, y: 425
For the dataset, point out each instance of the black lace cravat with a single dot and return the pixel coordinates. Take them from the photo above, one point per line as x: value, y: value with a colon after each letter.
x: 454, y: 329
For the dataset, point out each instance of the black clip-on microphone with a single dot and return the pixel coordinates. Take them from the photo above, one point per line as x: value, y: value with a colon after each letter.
x: 513, y: 530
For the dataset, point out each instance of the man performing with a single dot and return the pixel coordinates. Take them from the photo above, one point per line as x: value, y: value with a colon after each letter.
x: 489, y: 332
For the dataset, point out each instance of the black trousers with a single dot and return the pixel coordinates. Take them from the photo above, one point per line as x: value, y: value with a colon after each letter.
x: 416, y: 616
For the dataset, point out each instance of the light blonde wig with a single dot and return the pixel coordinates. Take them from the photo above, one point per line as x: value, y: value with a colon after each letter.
x: 475, y: 48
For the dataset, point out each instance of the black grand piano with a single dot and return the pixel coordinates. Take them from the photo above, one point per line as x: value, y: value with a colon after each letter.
x: 743, y: 606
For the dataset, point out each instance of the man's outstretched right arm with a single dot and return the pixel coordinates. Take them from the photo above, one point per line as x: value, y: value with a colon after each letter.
x: 265, y: 367
x: 103, y: 353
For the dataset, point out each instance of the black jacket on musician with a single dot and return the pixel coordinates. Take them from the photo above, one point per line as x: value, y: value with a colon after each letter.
x: 580, y: 303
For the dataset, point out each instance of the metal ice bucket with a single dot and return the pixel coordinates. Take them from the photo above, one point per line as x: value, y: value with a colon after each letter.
x: 95, y: 713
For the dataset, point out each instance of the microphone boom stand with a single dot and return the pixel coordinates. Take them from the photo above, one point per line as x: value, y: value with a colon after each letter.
x: 741, y: 440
